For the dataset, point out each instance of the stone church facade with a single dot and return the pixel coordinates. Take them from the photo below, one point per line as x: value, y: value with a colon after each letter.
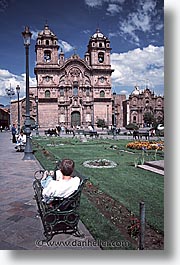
x: 141, y: 102
x: 74, y: 91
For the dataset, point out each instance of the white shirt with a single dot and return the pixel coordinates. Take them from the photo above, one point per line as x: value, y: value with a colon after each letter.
x: 62, y: 188
x: 21, y: 138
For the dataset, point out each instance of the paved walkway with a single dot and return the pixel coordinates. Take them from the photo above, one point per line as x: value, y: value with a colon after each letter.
x: 154, y: 166
x: 20, y: 225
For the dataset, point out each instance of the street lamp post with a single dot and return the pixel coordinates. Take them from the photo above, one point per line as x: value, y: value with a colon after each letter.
x: 114, y: 117
x: 92, y: 115
x: 10, y: 92
x: 28, y: 154
x: 18, y: 91
x: 37, y: 121
x: 114, y: 127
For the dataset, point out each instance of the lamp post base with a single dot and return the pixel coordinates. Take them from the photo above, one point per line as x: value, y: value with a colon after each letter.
x: 28, y: 152
x: 28, y: 156
x: 37, y: 133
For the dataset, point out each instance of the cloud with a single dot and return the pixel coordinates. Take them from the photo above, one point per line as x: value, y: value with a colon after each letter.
x: 93, y: 3
x: 86, y: 31
x: 139, y: 67
x: 8, y: 79
x: 34, y: 34
x: 112, y: 6
x: 3, y: 5
x: 4, y: 74
x: 125, y: 92
x: 144, y: 19
x: 113, y: 9
x: 66, y: 47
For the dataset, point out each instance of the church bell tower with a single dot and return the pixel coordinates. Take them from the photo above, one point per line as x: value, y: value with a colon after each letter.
x: 46, y: 47
x: 98, y: 58
x: 46, y: 71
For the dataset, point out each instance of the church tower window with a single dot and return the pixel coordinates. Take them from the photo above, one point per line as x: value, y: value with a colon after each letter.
x: 101, y: 57
x: 47, y: 42
x: 102, y: 94
x: 47, y: 56
x: 47, y: 94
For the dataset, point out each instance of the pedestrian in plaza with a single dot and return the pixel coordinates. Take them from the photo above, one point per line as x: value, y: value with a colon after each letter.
x: 73, y: 132
x: 13, y: 131
x: 63, y: 186
x: 21, y: 141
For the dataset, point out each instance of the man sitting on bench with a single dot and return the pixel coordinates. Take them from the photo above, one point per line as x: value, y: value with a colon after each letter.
x: 63, y: 186
x: 21, y: 142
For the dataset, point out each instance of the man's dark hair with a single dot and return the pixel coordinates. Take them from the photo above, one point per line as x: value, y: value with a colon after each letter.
x: 67, y: 167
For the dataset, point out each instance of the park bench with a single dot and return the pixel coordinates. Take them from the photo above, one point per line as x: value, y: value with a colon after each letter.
x: 62, y: 214
x: 91, y: 133
x: 112, y: 131
x: 140, y: 135
x: 79, y: 131
x: 51, y: 132
x: 144, y: 134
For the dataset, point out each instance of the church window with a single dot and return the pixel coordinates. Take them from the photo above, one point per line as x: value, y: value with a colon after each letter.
x: 134, y: 119
x: 47, y: 78
x: 147, y: 101
x: 101, y: 57
x: 102, y: 94
x: 87, y: 92
x: 47, y: 94
x: 47, y: 42
x: 159, y: 102
x: 75, y: 90
x: 100, y: 45
x: 134, y: 101
x: 61, y: 91
x: 47, y: 56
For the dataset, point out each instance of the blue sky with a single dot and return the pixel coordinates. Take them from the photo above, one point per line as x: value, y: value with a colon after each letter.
x: 134, y: 27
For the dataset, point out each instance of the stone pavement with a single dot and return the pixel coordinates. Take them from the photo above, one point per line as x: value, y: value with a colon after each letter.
x: 20, y: 225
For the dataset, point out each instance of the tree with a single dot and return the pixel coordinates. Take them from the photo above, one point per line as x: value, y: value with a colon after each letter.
x: 101, y: 123
x: 131, y: 126
x: 149, y: 118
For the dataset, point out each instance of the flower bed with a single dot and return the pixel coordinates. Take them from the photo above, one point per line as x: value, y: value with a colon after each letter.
x: 148, y: 145
x: 99, y: 163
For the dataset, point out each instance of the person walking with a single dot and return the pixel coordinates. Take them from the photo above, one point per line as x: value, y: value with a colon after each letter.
x: 13, y: 131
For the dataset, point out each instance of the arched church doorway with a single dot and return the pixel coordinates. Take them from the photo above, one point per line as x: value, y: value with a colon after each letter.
x: 75, y: 118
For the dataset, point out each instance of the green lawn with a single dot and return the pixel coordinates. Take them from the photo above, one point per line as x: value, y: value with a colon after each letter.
x: 125, y: 183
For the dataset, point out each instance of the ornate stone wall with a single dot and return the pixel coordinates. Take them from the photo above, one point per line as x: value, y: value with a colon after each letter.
x: 143, y: 102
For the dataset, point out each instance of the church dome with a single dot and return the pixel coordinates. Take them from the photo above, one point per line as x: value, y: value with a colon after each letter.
x: 46, y: 32
x: 136, y: 91
x: 98, y: 34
